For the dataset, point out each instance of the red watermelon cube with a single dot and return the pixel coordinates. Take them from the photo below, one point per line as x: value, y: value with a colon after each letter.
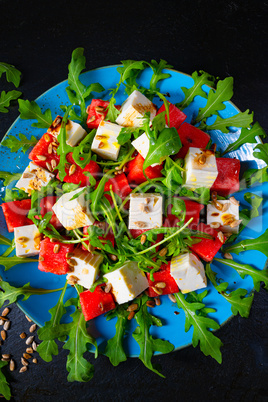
x: 119, y: 185
x: 46, y: 150
x: 227, y: 181
x: 15, y: 213
x: 137, y: 232
x: 135, y: 171
x: 103, y: 239
x: 163, y: 275
x: 206, y: 249
x: 96, y: 303
x: 78, y: 176
x: 97, y: 111
x: 46, y: 205
x: 191, y: 136
x: 51, y: 261
x: 193, y: 210
x: 176, y: 116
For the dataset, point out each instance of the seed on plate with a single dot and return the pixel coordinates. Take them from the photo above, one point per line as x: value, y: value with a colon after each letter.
x: 23, y: 369
x: 55, y: 143
x: 228, y: 256
x: 101, y: 306
x: 49, y: 149
x: 54, y: 150
x: 92, y: 118
x: 202, y: 159
x: 29, y: 350
x: 131, y: 315
x: 172, y: 298
x: 33, y: 328
x: 5, y: 312
x: 221, y: 237
x: 157, y: 301
x: 132, y: 307
x: 34, y: 346
x: 144, y: 208
x: 214, y: 195
x: 160, y: 285
x: 6, y: 356
x: 23, y: 335
x: 215, y: 225
x: 150, y: 303
x: 113, y: 257
x: 3, y: 335
x: 34, y: 360
x: 218, y: 205
x: 107, y: 288
x: 225, y: 207
x: 100, y: 109
x: 27, y: 318
x: 41, y: 157
x: 215, y: 214
x: 143, y: 238
x: 72, y: 280
x: 163, y: 252
x: 72, y: 262
x: 157, y: 291
x: 70, y: 269
x: 101, y: 144
x: 53, y: 163
x: 27, y: 356
x: 47, y: 138
x: 69, y: 255
x: 140, y: 224
x: 29, y: 340
x: 72, y: 169
x: 11, y: 365
x: 24, y: 361
x: 6, y: 325
x: 234, y: 201
x: 235, y: 223
x: 56, y: 248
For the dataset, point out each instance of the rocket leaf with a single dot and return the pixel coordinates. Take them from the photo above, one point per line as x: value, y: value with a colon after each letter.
x: 241, y: 119
x: 23, y: 143
x: 4, y: 386
x: 247, y: 135
x: 12, y: 73
x: 262, y: 150
x: 32, y: 111
x: 6, y: 98
x: 260, y: 244
x: 114, y: 348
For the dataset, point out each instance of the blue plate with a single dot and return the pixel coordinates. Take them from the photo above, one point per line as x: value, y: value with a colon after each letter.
x: 37, y: 307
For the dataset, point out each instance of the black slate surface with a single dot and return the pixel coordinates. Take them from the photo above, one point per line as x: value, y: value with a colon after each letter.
x: 223, y: 38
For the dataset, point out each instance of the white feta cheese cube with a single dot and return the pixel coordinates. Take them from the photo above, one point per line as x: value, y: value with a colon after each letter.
x: 74, y: 131
x: 127, y: 282
x: 33, y: 178
x: 27, y: 240
x: 142, y: 145
x: 85, y: 267
x: 145, y: 211
x: 200, y: 168
x: 73, y: 213
x: 133, y: 110
x: 105, y: 141
x: 225, y: 219
x: 188, y: 272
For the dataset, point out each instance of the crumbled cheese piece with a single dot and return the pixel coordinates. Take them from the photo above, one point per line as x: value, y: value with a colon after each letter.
x: 145, y: 211
x: 200, y: 168
x: 105, y: 141
x: 223, y: 215
x: 27, y: 240
x: 142, y: 145
x: 127, y: 282
x: 85, y: 267
x: 188, y: 272
x: 33, y: 178
x: 75, y: 213
x: 74, y: 131
x: 133, y: 110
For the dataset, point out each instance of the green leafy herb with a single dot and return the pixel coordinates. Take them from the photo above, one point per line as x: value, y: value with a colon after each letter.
x: 148, y: 344
x: 6, y: 98
x: 32, y: 111
x: 12, y: 73
x: 63, y: 148
x: 4, y: 386
x: 247, y: 135
x: 257, y: 275
x: 23, y: 143
x: 14, y: 195
x: 82, y: 153
x: 260, y: 244
x: 9, y: 177
x: 10, y: 262
x: 114, y: 348
x: 158, y: 74
x: 241, y: 119
x: 5, y: 241
x: 196, y: 316
x: 262, y: 150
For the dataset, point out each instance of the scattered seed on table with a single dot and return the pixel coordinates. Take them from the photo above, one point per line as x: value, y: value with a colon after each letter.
x: 157, y: 301
x: 28, y: 318
x: 2, y: 322
x: 35, y: 360
x: 24, y: 361
x: 11, y: 365
x: 5, y: 312
x: 3, y: 318
x: 6, y: 325
x: 29, y: 340
x: 34, y: 346
x: 23, y: 369
x: 3, y: 335
x: 27, y: 356
x: 33, y: 328
x: 23, y: 335
x: 29, y: 350
x: 6, y: 356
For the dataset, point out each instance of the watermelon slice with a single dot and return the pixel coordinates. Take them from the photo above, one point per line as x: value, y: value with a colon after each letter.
x: 95, y: 117
x: 15, y: 213
x: 163, y: 275
x: 206, y: 249
x: 51, y: 261
x: 227, y: 181
x: 96, y: 303
x: 191, y: 136
x: 44, y: 150
x: 135, y: 171
x: 46, y: 205
x: 193, y: 210
x: 176, y: 116
x: 119, y: 185
x: 103, y: 239
x: 78, y: 176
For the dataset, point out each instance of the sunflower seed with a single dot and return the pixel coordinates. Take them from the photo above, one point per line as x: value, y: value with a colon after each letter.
x: 6, y: 325
x: 72, y: 262
x: 150, y: 303
x: 24, y: 361
x: 3, y: 335
x: 234, y: 201
x: 23, y: 369
x: 53, y: 163
x: 49, y: 149
x: 41, y: 258
x: 113, y: 257
x: 29, y: 340
x: 72, y: 280
x: 27, y: 356
x: 215, y: 225
x: 172, y: 298
x: 49, y: 167
x: 41, y: 157
x: 157, y: 301
x: 132, y: 307
x: 23, y: 335
x: 163, y: 252
x: 235, y: 223
x: 143, y: 238
x: 72, y: 169
x: 56, y: 248
x: 140, y: 224
x: 107, y: 288
x: 101, y: 144
x: 33, y: 328
x: 225, y: 207
x: 34, y: 360
x: 2, y: 322
x: 29, y: 350
x: 160, y: 285
x: 101, y: 306
x: 47, y: 138
x: 157, y: 291
x: 34, y: 346
x: 27, y: 318
x: 202, y: 159
x: 131, y: 315
x: 6, y: 356
x: 11, y: 365
x: 92, y: 118
x: 221, y: 237
x: 228, y: 256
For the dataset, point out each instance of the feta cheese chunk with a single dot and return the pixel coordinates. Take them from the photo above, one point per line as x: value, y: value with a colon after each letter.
x: 27, y: 240
x: 105, y: 141
x: 74, y: 131
x: 133, y: 110
x: 33, y: 178
x: 188, y: 272
x: 145, y: 211
x: 127, y: 282
x: 85, y: 267
x: 142, y: 145
x: 75, y: 213
x: 200, y: 168
x: 224, y: 215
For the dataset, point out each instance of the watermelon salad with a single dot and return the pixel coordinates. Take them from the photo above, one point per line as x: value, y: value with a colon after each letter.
x: 130, y: 202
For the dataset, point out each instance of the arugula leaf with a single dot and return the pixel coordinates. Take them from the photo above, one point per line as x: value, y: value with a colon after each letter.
x: 113, y: 112
x: 173, y: 174
x: 14, y: 195
x: 241, y: 119
x: 5, y: 241
x: 63, y: 148
x: 148, y: 344
x: 4, y: 385
x: 253, y: 176
x: 201, y: 195
x: 257, y: 275
x: 48, y: 347
x: 223, y: 92
x: 79, y: 368
x: 240, y: 302
x: 98, y: 193
x: 23, y: 143
x: 168, y: 143
x: 129, y: 71
x: 12, y: 73
x: 158, y: 75
x: 114, y: 348
x: 30, y: 110
x: 190, y: 93
x: 196, y: 316
x: 247, y: 135
x: 9, y: 177
x: 12, y: 293
x: 10, y: 262
x: 260, y: 244
x: 6, y: 98
x: 262, y: 151
x: 82, y: 152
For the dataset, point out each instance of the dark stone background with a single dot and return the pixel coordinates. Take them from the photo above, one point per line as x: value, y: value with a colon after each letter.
x: 221, y: 37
